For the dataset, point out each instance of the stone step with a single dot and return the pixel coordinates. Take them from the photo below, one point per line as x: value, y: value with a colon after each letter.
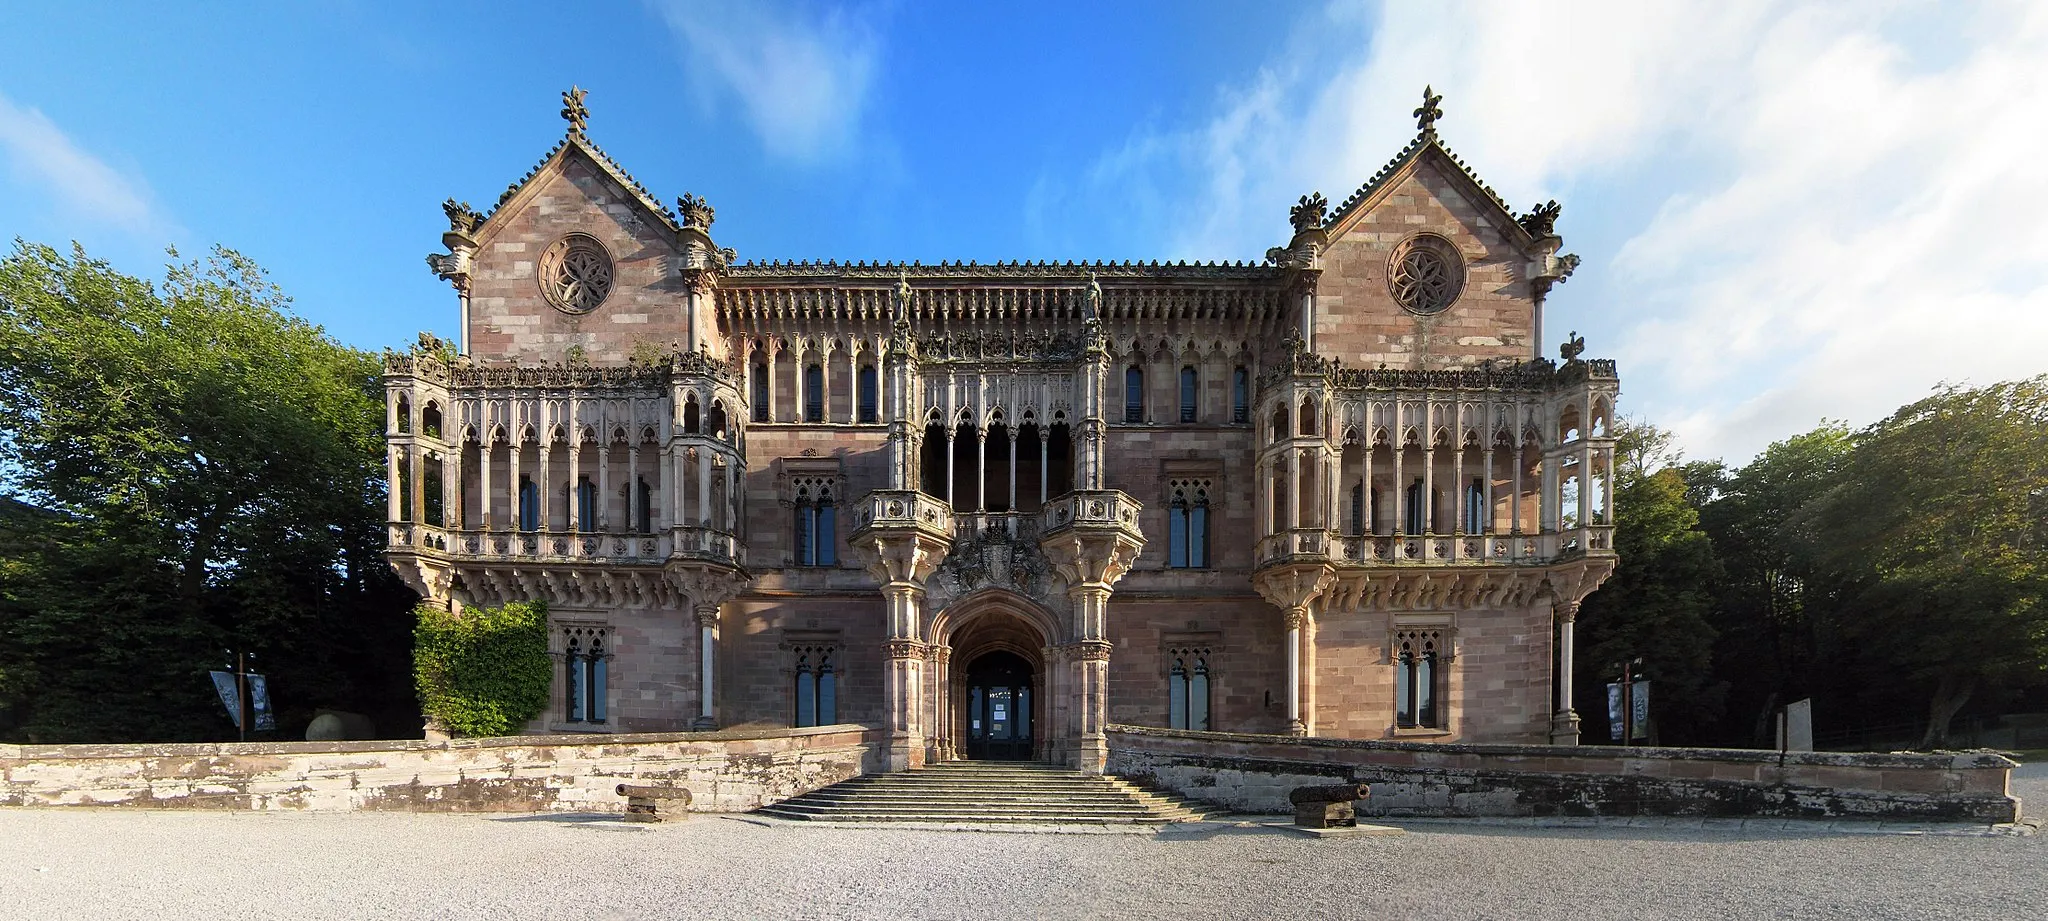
x: 980, y: 791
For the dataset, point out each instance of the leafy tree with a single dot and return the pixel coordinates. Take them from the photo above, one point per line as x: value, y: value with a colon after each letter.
x: 212, y: 469
x: 1775, y: 604
x: 1936, y: 524
x: 1656, y: 604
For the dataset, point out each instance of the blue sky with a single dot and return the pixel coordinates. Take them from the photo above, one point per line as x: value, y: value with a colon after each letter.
x: 1788, y: 211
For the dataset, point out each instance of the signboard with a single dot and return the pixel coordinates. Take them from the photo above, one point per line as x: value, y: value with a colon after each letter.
x: 259, y: 699
x: 1795, y: 734
x: 1639, y: 694
x: 1613, y: 710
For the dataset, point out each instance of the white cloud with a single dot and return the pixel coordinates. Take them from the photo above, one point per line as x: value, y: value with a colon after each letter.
x: 43, y: 158
x: 801, y: 77
x: 1850, y: 190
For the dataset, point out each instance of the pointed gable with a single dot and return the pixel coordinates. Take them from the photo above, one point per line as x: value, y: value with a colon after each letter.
x: 576, y: 199
x: 1425, y: 267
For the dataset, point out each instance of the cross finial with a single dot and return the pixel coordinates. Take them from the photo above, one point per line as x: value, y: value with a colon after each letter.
x: 1428, y: 113
x: 573, y: 109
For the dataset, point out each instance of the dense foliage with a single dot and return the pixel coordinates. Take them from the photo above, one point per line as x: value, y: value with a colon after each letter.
x: 1867, y: 570
x: 486, y: 672
x: 196, y: 469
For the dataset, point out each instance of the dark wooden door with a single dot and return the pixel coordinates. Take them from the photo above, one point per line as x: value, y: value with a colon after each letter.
x: 999, y: 702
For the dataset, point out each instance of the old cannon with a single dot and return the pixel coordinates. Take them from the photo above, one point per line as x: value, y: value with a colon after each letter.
x: 1327, y: 806
x: 655, y: 804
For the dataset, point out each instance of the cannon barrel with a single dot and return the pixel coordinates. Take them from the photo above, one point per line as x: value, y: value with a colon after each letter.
x: 1328, y: 793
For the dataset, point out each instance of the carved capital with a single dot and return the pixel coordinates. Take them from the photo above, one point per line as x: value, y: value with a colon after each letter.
x: 1087, y: 651
x: 904, y: 649
x: 1291, y: 587
x: 1296, y: 618
x: 1566, y: 611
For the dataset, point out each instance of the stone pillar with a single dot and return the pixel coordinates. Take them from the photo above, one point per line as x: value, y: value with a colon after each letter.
x: 394, y: 508
x: 704, y: 516
x: 707, y: 629
x: 483, y: 488
x: 575, y: 481
x: 1521, y: 464
x: 512, y: 453
x: 604, y: 484
x: 1091, y: 539
x: 1297, y: 621
x: 632, y: 482
x: 901, y: 538
x: 1400, y: 487
x: 1564, y: 724
x: 543, y: 491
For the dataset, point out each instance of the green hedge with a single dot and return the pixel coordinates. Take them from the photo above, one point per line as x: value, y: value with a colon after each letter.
x: 485, y: 673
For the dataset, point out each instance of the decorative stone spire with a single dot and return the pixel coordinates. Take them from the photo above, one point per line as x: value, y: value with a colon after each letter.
x: 574, y: 110
x: 462, y: 218
x: 1309, y: 213
x: 1574, y: 345
x: 1541, y: 221
x: 696, y: 212
x: 1427, y: 114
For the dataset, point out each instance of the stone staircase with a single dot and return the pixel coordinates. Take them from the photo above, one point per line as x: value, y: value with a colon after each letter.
x: 990, y: 791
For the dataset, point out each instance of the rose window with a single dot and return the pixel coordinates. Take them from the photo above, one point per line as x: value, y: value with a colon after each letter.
x: 1427, y: 275
x: 576, y: 273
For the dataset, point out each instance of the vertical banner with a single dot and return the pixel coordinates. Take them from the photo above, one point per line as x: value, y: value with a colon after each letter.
x: 224, y: 682
x: 1614, y: 710
x: 1640, y: 695
x: 259, y: 702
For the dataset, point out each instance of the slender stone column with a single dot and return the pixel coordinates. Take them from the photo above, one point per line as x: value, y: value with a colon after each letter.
x: 707, y: 629
x: 1564, y: 725
x: 1292, y: 514
x: 483, y: 488
x: 394, y: 508
x: 575, y: 481
x: 512, y: 454
x: 704, y: 515
x: 543, y: 493
x: 1521, y: 461
x: 825, y: 383
x: 980, y: 470
x: 1366, y: 523
x: 951, y: 434
x: 1297, y: 619
x: 1428, y: 496
x: 1457, y: 491
x: 632, y: 483
x: 1010, y: 435
x: 604, y: 484
x: 1400, y: 490
x: 903, y: 677
x: 1088, y: 672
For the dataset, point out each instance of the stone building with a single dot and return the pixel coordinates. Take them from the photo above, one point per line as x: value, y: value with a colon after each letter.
x: 993, y: 508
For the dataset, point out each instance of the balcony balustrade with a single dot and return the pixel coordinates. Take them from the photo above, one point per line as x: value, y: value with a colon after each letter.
x: 687, y: 543
x: 1309, y: 544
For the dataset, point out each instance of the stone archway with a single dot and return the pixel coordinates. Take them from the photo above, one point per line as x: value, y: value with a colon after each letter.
x: 985, y: 626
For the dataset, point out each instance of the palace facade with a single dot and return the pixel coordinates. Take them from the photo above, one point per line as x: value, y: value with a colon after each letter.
x: 991, y: 509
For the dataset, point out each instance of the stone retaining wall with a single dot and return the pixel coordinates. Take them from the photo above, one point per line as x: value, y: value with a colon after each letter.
x: 1254, y: 772
x: 729, y: 771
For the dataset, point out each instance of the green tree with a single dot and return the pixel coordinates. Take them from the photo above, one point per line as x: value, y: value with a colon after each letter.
x: 212, y: 466
x: 1936, y: 525
x: 1656, y: 604
x: 1774, y: 607
x: 485, y: 672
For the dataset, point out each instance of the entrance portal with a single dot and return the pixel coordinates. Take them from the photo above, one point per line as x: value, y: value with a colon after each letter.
x: 999, y: 724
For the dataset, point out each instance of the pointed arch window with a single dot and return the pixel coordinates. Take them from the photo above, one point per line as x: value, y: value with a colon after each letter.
x: 816, y: 525
x: 1188, y: 391
x: 586, y: 505
x: 1419, y: 657
x: 869, y: 401
x: 817, y: 686
x: 1418, y: 510
x: 1240, y: 395
x: 644, y: 523
x: 529, y: 504
x: 1358, y: 508
x: 692, y: 416
x: 759, y: 391
x: 585, y: 666
x: 1187, y: 689
x: 814, y: 393
x: 1187, y: 525
x: 1475, y: 506
x: 1134, y: 394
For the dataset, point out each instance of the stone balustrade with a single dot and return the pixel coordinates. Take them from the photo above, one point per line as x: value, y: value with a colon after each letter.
x: 691, y: 543
x: 1316, y: 544
x: 890, y: 509
x: 1094, y: 507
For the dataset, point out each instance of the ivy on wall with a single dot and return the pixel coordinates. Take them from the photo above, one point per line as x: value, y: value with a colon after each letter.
x: 485, y: 672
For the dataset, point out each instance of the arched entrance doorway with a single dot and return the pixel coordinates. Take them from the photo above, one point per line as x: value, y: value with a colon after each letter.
x: 1000, y: 700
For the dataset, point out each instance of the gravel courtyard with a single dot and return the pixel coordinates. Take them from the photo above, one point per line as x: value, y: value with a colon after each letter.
x: 115, y: 864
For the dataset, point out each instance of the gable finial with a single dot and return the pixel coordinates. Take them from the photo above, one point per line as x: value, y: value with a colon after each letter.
x: 1429, y: 112
x: 574, y: 109
x: 1574, y: 346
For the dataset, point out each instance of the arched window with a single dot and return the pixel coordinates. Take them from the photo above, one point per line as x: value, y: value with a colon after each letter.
x: 814, y: 394
x: 868, y: 398
x: 1187, y: 526
x: 1134, y: 394
x: 1308, y: 418
x: 1187, y: 690
x: 1187, y: 393
x: 529, y: 504
x: 1240, y: 395
x: 645, y: 522
x: 1416, y: 677
x: 1475, y: 506
x: 404, y: 414
x: 430, y: 420
x: 715, y: 424
x: 817, y: 687
x: 760, y: 391
x: 586, y: 505
x: 585, y: 665
x: 816, y: 526
x: 1358, y: 508
x: 1419, y: 517
x: 1280, y: 431
x: 692, y: 424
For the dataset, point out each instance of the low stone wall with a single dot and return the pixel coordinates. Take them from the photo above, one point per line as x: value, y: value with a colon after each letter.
x: 724, y: 771
x: 1254, y: 772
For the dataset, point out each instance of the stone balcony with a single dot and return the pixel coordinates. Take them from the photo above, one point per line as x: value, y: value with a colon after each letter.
x: 1312, y: 545
x: 692, y: 544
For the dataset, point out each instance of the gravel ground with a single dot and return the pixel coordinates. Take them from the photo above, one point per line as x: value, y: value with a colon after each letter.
x: 113, y: 864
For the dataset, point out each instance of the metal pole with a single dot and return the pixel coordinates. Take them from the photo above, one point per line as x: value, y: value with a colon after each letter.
x: 242, y: 695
